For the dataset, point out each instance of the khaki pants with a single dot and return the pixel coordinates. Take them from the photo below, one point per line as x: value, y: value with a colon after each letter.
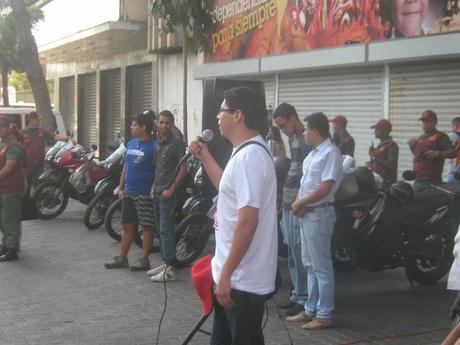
x: 10, y: 219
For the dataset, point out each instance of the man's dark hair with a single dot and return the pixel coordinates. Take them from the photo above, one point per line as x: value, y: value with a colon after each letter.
x: 285, y: 110
x: 320, y: 122
x: 245, y: 99
x: 166, y: 113
x: 144, y: 120
x: 456, y: 121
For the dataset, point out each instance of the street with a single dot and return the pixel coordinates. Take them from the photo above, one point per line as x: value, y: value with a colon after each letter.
x: 60, y: 293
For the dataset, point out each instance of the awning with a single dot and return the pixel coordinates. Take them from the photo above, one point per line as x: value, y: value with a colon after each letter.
x: 98, y: 42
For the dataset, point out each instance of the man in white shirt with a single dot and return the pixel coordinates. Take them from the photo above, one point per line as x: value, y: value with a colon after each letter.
x: 244, y: 265
x: 322, y: 173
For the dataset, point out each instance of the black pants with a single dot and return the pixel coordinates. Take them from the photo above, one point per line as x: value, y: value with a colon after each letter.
x: 242, y: 323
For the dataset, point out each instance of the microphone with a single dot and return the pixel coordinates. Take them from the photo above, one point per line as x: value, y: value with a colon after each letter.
x: 206, y: 136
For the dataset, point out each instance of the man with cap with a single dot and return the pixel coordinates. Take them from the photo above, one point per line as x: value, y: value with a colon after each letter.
x: 34, y: 140
x: 341, y: 137
x: 12, y: 185
x: 429, y: 150
x: 384, y: 157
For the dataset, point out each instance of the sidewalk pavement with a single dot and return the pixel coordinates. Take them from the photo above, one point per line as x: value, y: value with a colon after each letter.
x: 60, y: 293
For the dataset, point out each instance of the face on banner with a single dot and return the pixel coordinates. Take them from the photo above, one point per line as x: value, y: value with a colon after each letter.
x: 408, y: 16
x: 256, y: 28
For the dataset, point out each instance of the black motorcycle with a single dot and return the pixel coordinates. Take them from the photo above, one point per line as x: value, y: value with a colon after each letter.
x: 379, y: 229
x: 103, y: 190
x: 192, y: 233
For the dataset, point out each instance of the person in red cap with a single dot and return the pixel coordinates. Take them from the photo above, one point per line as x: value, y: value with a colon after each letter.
x: 341, y: 137
x: 34, y: 140
x: 12, y: 185
x: 384, y: 157
x: 430, y: 150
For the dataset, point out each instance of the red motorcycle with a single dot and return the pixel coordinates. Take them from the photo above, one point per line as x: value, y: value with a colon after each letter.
x: 72, y: 173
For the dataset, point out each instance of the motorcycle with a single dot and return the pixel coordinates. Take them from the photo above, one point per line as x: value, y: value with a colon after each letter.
x: 75, y: 176
x: 380, y: 229
x: 103, y: 190
x: 49, y: 198
x: 192, y: 233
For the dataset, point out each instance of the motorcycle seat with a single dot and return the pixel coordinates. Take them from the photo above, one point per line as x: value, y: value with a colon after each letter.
x: 424, y: 203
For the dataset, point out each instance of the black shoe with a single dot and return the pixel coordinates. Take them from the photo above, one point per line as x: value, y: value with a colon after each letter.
x: 295, y: 309
x: 286, y: 304
x: 2, y: 251
x: 9, y: 255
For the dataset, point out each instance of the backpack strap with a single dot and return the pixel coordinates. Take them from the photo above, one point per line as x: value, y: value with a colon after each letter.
x: 247, y: 143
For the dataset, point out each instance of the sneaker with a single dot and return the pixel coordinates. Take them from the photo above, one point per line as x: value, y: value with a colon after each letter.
x: 141, y: 264
x: 156, y: 270
x: 167, y: 275
x: 286, y: 304
x: 295, y: 309
x: 316, y: 324
x: 300, y: 317
x: 118, y: 262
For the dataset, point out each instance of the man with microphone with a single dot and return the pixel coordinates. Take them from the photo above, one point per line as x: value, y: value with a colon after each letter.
x: 244, y: 265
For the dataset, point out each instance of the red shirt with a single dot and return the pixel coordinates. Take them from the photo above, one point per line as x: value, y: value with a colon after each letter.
x: 14, y: 182
x: 429, y: 169
x: 385, y: 162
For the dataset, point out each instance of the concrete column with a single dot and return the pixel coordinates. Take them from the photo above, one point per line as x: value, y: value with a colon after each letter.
x: 56, y: 93
x: 123, y: 91
x: 77, y: 108
x: 98, y: 112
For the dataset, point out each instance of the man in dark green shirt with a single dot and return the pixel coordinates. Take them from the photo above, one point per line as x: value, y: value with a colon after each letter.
x: 12, y: 185
x: 168, y: 176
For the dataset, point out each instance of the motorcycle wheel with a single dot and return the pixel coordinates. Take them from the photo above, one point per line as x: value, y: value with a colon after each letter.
x: 139, y: 238
x: 433, y: 258
x: 97, y: 208
x: 112, y: 220
x: 192, y: 235
x: 50, y: 200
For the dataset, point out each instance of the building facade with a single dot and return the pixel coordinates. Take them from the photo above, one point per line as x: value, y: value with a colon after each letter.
x: 344, y: 57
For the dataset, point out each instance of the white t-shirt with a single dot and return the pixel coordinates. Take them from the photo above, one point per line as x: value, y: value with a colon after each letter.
x: 453, y: 282
x: 248, y: 180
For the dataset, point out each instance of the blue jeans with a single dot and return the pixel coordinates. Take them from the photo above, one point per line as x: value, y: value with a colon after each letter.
x: 317, y: 228
x: 291, y: 234
x: 164, y: 212
x: 451, y: 177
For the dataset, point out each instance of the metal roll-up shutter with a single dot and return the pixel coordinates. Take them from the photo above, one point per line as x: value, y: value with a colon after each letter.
x: 141, y: 88
x: 110, y: 106
x: 88, y: 130
x: 356, y: 93
x: 416, y: 87
x: 67, y: 104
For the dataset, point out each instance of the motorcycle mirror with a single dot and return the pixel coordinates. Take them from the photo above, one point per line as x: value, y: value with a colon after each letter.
x: 408, y: 175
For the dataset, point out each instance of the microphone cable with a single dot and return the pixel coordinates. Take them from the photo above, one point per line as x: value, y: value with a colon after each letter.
x: 291, y: 342
x: 164, y: 307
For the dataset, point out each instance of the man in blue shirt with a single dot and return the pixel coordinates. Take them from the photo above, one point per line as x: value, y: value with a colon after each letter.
x: 322, y: 173
x: 135, y: 187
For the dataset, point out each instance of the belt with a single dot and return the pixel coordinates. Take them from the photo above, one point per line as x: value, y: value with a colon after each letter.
x: 322, y: 205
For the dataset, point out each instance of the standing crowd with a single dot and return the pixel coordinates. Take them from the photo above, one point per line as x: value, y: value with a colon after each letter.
x: 245, y: 262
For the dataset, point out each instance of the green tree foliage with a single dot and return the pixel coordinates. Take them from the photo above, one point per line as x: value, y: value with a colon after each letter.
x: 10, y: 45
x: 190, y: 17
